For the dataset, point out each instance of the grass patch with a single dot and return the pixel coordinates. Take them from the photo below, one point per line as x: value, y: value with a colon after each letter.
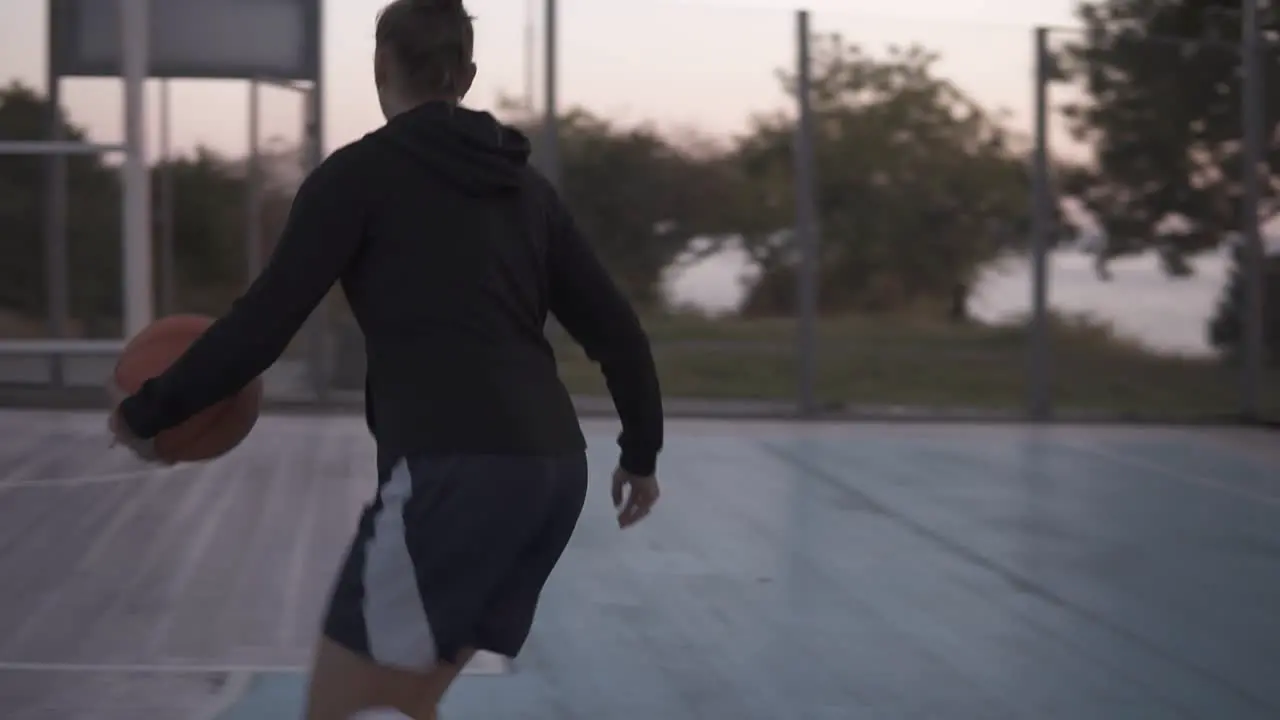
x: 923, y: 363
x: 907, y: 361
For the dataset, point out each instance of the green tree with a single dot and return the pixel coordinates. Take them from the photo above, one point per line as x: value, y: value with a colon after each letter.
x: 1226, y: 330
x: 209, y: 223
x: 918, y: 186
x: 1161, y: 113
x: 640, y: 198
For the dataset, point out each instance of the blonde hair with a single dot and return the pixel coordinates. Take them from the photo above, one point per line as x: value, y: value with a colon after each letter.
x: 431, y: 43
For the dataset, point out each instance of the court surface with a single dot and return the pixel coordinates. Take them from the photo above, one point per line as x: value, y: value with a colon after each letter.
x: 791, y: 571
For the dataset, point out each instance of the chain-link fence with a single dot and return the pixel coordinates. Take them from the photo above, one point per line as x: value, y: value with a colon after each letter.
x: 922, y: 147
x: 224, y: 160
x: 1149, y: 280
x: 932, y: 219
x: 61, y: 223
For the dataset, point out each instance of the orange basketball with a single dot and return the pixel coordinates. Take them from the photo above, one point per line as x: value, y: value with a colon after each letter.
x: 209, y: 434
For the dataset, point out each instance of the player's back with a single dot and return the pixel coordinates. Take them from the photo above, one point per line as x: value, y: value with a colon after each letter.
x: 451, y: 288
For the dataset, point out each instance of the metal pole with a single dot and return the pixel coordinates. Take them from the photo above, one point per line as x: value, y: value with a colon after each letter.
x: 530, y: 57
x: 1254, y: 254
x: 253, y: 187
x: 318, y: 335
x: 139, y: 304
x: 806, y: 223
x: 57, y: 254
x: 319, y: 346
x: 168, y: 253
x: 1039, y: 390
x: 551, y: 122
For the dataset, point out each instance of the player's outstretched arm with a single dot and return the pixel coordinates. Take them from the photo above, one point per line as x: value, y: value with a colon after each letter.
x: 323, y: 233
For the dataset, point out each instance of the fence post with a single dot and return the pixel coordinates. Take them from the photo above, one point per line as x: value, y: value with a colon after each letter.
x: 320, y: 346
x: 1254, y: 254
x: 168, y: 271
x: 551, y: 122
x: 138, y: 281
x: 1039, y: 374
x: 56, y: 253
x: 806, y: 223
x: 253, y: 188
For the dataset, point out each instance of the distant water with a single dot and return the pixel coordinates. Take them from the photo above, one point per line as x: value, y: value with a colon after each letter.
x: 1141, y: 302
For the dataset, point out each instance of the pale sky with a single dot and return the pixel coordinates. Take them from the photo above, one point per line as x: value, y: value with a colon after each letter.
x: 704, y: 64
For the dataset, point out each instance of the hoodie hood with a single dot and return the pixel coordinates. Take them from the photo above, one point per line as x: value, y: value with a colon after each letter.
x: 468, y: 149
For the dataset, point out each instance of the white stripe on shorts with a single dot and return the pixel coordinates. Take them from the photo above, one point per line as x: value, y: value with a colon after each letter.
x: 394, y: 618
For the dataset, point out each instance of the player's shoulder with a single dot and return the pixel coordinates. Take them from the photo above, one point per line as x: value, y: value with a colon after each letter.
x: 535, y: 179
x: 542, y: 191
x: 354, y: 157
x: 345, y: 171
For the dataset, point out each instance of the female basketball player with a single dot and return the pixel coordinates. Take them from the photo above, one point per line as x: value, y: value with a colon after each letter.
x: 451, y: 252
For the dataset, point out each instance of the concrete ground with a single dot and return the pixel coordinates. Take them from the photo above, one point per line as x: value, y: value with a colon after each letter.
x: 792, y: 571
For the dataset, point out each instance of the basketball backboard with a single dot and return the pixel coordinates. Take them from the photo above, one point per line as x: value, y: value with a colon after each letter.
x: 224, y: 39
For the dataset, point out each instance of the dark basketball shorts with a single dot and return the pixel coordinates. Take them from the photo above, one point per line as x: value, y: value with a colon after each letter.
x: 453, y: 553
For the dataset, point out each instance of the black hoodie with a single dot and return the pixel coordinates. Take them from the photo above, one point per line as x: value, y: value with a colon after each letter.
x: 452, y: 251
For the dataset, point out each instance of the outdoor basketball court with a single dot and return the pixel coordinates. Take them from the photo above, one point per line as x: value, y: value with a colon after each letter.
x: 793, y: 571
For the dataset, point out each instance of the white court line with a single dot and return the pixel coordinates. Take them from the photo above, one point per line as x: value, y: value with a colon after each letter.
x: 82, y: 480
x: 231, y: 692
x: 1205, y: 483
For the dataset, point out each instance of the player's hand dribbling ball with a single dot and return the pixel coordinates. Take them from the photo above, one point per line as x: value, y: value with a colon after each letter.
x: 210, y: 433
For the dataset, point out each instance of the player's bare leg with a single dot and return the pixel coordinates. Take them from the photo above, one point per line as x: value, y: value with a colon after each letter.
x: 437, y: 683
x: 344, y: 684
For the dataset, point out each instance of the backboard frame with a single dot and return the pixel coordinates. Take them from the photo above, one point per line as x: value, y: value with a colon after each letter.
x: 67, y: 58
